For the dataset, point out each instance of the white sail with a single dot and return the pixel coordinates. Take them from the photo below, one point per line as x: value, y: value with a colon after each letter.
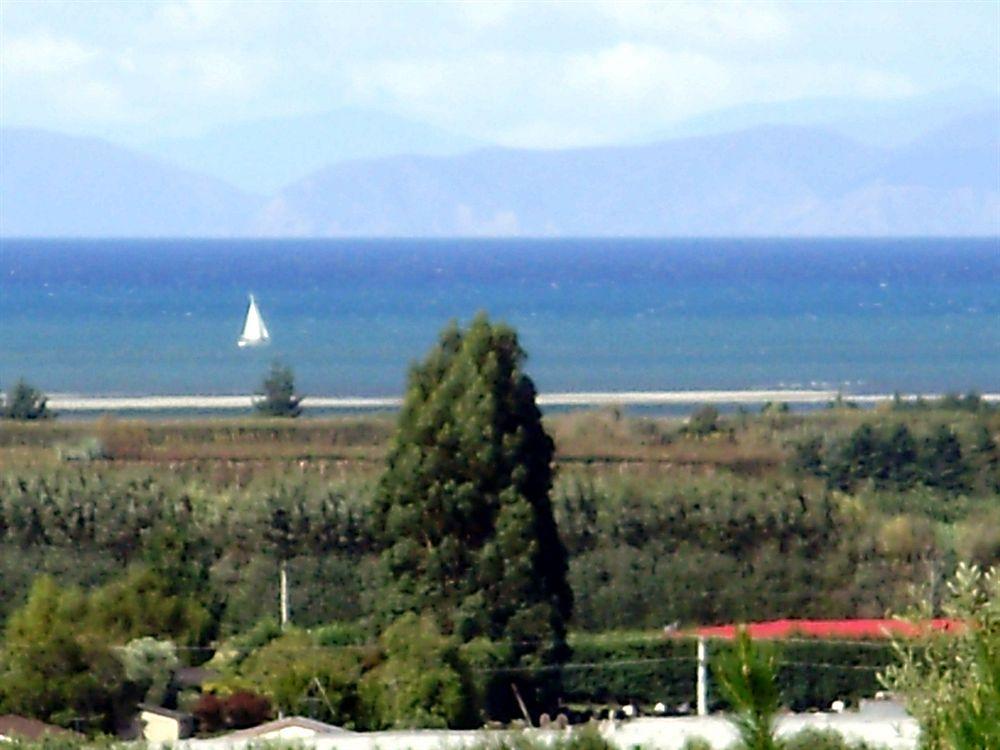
x: 254, y: 330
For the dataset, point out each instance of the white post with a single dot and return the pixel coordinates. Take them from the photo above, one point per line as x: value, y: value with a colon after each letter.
x: 284, y: 594
x: 702, y: 678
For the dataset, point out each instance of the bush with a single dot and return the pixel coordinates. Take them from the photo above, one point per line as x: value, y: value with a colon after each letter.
x: 210, y: 713
x: 278, y: 393
x: 246, y: 709
x: 821, y: 739
x: 422, y: 682
x: 952, y: 684
x: 647, y: 668
x: 25, y: 402
x: 704, y: 421
x: 301, y: 677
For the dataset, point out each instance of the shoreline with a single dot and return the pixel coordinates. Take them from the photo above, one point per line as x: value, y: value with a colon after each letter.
x: 81, y: 403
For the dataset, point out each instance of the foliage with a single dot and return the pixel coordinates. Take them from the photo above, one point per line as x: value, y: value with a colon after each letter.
x: 952, y: 685
x: 24, y: 402
x: 141, y: 604
x: 581, y: 738
x: 421, y: 681
x: 822, y: 739
x: 246, y: 709
x: 150, y: 665
x: 210, y: 713
x: 277, y: 393
x: 646, y: 668
x: 467, y: 529
x: 747, y: 677
x: 300, y: 677
x: 890, y: 456
x: 53, y: 670
x: 704, y: 421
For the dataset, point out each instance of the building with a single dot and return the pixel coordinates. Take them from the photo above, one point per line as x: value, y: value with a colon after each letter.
x: 163, y: 725
x: 289, y: 728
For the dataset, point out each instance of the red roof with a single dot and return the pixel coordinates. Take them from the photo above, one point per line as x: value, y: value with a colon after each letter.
x: 830, y: 629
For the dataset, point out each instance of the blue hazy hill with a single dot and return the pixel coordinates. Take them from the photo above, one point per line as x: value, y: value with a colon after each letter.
x: 889, y: 123
x: 262, y: 156
x: 770, y: 180
x: 54, y: 185
x: 763, y: 181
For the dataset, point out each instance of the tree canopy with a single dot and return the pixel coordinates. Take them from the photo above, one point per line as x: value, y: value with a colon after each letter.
x: 25, y: 402
x: 277, y: 393
x: 468, y: 533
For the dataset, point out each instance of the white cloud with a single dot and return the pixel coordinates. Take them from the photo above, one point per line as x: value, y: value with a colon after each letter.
x: 43, y: 54
x: 196, y: 17
x: 714, y: 22
x: 646, y: 74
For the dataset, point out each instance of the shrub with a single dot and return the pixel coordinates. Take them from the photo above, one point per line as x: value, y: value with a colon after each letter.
x: 704, y: 421
x: 952, y: 685
x: 210, y: 713
x: 25, y: 402
x: 422, y: 682
x: 821, y: 739
x: 277, y: 393
x: 246, y: 709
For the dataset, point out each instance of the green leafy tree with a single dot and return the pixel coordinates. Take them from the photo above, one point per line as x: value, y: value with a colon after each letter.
x: 277, y: 393
x: 422, y: 681
x: 467, y: 528
x: 53, y: 669
x: 25, y: 402
x: 150, y: 665
x: 301, y: 677
x: 951, y: 681
x: 141, y: 603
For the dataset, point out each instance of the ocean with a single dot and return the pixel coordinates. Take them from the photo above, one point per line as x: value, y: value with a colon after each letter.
x: 148, y: 317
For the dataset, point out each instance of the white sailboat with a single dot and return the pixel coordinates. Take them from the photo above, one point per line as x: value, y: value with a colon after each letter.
x: 254, y: 331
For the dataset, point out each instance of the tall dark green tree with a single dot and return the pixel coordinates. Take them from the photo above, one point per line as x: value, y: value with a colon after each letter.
x: 468, y: 534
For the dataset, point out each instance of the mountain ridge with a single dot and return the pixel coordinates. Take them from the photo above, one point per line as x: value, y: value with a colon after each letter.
x: 766, y: 180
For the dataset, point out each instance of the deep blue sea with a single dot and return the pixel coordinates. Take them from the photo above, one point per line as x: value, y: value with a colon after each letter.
x: 137, y: 317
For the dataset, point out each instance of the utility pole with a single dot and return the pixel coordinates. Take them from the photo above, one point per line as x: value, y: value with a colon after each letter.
x: 284, y: 594
x: 702, y: 677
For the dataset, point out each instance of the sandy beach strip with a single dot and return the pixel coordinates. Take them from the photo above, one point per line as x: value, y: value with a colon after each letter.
x: 72, y: 403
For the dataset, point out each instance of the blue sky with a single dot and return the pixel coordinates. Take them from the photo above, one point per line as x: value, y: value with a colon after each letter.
x: 519, y: 74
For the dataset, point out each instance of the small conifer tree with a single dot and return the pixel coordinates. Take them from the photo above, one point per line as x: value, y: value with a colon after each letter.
x: 277, y: 393
x: 25, y: 402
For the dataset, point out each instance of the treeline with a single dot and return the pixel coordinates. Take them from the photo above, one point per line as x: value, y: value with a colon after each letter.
x: 890, y: 456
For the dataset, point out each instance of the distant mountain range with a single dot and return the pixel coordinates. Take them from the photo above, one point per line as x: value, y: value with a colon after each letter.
x: 763, y: 180
x: 55, y: 185
x: 263, y: 156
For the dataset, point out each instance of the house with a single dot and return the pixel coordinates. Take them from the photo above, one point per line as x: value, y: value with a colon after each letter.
x: 163, y: 725
x: 289, y: 728
x: 14, y: 727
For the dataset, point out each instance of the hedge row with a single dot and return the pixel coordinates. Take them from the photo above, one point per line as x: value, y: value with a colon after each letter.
x: 646, y: 669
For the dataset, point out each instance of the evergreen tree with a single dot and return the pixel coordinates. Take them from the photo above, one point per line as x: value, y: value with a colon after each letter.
x: 899, y: 456
x: 25, y: 402
x: 468, y: 534
x: 278, y: 393
x: 941, y: 460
